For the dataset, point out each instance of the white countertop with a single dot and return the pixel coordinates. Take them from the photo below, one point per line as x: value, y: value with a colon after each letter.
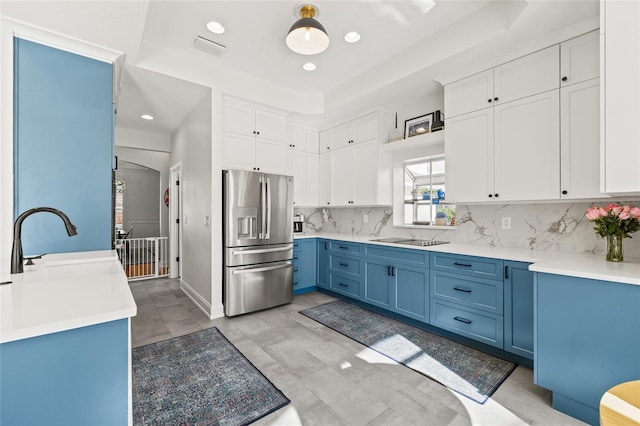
x: 62, y: 292
x: 551, y: 262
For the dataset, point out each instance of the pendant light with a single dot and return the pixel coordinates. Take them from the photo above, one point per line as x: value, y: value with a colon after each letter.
x: 307, y: 36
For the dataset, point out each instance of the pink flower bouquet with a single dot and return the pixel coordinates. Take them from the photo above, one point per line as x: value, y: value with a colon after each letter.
x: 615, y: 219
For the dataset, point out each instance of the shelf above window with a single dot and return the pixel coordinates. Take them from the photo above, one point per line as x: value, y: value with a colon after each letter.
x: 420, y: 141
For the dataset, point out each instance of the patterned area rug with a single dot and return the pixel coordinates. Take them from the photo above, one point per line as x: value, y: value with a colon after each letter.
x: 461, y: 368
x: 199, y: 379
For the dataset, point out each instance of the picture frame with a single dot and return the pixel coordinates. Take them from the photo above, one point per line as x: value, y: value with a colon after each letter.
x: 418, y: 125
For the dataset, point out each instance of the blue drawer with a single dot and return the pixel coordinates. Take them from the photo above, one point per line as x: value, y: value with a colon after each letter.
x: 469, y: 265
x: 469, y: 322
x: 343, y: 285
x: 415, y: 257
x: 343, y: 247
x: 344, y: 264
x: 474, y: 292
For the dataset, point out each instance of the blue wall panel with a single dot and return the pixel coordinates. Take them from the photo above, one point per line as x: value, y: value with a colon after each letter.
x: 63, y: 147
x: 75, y: 377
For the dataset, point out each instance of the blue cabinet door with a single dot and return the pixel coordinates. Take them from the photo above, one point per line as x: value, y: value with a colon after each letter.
x: 518, y: 309
x: 412, y: 291
x: 74, y: 377
x: 398, y: 280
x: 587, y: 340
x: 378, y: 289
x: 322, y: 246
x: 63, y: 147
x: 304, y: 265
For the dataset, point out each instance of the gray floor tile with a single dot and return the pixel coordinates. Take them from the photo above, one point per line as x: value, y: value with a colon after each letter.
x: 330, y: 379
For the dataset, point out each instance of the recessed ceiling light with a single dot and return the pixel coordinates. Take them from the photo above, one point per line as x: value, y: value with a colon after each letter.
x: 309, y: 66
x: 351, y: 37
x: 146, y: 117
x: 215, y: 27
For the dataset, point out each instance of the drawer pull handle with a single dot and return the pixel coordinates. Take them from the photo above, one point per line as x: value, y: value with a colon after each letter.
x: 295, y: 270
x: 343, y: 285
x: 393, y: 271
x: 295, y: 258
x: 464, y: 290
x: 295, y: 283
x: 464, y: 320
x: 343, y: 247
x: 343, y: 264
x: 466, y: 265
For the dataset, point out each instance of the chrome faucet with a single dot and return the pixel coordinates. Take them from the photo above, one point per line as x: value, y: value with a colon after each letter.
x: 17, y: 259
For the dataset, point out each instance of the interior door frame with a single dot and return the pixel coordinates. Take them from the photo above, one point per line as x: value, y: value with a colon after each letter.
x: 175, y: 225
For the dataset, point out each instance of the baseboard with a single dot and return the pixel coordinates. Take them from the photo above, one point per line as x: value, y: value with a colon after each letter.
x: 211, y: 311
x: 305, y: 290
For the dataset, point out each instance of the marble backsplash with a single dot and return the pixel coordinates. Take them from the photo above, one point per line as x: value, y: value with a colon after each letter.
x: 549, y: 226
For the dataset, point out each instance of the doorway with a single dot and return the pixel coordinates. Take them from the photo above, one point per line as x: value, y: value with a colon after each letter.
x: 175, y: 222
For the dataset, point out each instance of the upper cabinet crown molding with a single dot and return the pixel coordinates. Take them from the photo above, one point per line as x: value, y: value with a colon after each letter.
x: 61, y: 42
x: 566, y: 33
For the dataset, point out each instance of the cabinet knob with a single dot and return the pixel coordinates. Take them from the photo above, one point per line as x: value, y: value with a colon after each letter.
x: 327, y: 202
x: 490, y: 195
x: 496, y: 195
x: 495, y: 99
x: 254, y: 132
x: 328, y: 147
x: 489, y: 100
x: 564, y: 78
x: 564, y: 192
x: 258, y: 133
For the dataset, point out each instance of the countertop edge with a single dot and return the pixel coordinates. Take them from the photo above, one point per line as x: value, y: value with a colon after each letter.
x: 580, y: 265
x: 58, y: 327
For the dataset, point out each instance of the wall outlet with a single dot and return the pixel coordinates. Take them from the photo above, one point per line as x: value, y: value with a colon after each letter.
x: 506, y: 223
x: 184, y: 220
x: 365, y: 218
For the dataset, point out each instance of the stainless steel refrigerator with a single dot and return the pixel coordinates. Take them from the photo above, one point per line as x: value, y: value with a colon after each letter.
x: 258, y: 241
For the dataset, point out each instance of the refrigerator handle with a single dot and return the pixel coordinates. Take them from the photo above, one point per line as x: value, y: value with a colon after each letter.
x: 268, y: 209
x: 262, y: 208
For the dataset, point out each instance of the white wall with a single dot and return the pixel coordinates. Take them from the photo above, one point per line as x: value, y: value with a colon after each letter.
x: 141, y: 199
x: 191, y: 145
x: 133, y: 138
x: 157, y: 161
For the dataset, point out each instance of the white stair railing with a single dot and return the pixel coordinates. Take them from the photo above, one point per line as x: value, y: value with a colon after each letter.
x: 144, y: 258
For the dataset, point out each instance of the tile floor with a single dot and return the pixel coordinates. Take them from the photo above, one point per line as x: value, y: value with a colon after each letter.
x: 329, y: 378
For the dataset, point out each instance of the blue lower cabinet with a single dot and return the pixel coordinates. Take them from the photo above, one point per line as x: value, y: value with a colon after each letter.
x: 347, y: 286
x: 322, y: 246
x: 379, y: 285
x: 304, y: 266
x: 74, y: 377
x: 411, y: 291
x: 397, y: 279
x: 587, y: 340
x: 518, y: 309
x: 476, y: 324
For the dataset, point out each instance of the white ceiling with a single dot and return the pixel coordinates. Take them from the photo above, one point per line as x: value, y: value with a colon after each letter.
x: 403, y: 46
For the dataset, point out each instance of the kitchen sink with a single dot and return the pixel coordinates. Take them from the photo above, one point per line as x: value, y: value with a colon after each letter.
x: 411, y: 241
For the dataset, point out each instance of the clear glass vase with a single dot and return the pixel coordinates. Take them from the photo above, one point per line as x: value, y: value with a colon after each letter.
x: 614, y: 248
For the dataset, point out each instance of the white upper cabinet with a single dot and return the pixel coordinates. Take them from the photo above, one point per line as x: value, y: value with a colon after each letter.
x: 469, y: 94
x: 526, y: 76
x: 527, y: 155
x: 303, y: 139
x: 469, y: 156
x: 325, y: 179
x: 580, y: 140
x: 360, y: 172
x: 325, y: 141
x: 357, y: 131
x: 620, y: 136
x: 253, y: 139
x: 580, y: 59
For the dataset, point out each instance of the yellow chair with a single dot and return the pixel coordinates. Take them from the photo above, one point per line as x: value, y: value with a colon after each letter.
x: 620, y: 405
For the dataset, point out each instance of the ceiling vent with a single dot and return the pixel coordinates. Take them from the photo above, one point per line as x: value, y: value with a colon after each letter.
x: 209, y: 46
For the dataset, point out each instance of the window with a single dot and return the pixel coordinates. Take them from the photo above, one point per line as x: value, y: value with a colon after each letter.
x: 119, y: 204
x: 424, y: 193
